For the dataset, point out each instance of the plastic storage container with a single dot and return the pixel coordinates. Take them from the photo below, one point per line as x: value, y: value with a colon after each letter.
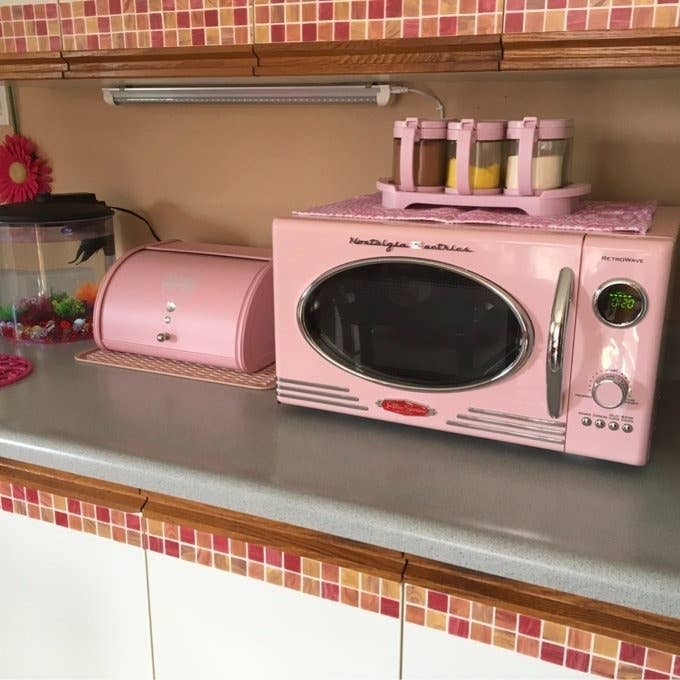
x: 538, y: 155
x: 199, y: 302
x: 419, y: 155
x: 475, y: 153
x: 54, y: 250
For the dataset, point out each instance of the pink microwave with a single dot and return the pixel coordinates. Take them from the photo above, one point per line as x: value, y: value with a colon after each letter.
x: 544, y: 338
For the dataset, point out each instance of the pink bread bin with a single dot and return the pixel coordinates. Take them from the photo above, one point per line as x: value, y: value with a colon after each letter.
x: 199, y: 302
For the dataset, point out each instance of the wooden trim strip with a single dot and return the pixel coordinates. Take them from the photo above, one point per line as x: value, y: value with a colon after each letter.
x: 633, y: 48
x: 408, y: 55
x: 369, y: 559
x: 87, y: 489
x: 621, y: 623
x: 31, y: 66
x: 185, y: 62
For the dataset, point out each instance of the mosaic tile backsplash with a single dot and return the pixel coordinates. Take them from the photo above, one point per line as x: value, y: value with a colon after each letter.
x: 29, y: 27
x: 550, y: 642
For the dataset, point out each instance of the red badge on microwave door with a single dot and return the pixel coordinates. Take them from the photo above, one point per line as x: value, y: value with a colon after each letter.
x: 405, y: 408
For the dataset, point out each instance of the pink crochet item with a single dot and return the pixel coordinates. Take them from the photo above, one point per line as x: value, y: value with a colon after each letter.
x: 13, y: 368
x: 590, y: 216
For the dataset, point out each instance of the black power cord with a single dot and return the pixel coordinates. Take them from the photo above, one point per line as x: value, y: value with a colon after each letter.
x: 139, y: 217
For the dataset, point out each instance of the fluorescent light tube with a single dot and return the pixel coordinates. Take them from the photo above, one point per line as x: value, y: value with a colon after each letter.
x: 253, y: 94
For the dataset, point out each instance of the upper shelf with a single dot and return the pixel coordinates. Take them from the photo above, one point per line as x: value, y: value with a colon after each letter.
x: 510, y: 51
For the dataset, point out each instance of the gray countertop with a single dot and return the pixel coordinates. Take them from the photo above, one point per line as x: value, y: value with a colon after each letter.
x: 593, y: 528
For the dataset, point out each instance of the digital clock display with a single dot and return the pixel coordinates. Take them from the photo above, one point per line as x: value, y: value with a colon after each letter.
x: 621, y: 303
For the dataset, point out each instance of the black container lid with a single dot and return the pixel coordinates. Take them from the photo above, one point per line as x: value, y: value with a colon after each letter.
x: 54, y: 209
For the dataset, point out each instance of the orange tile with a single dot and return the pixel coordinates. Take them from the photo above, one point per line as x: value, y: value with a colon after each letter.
x: 341, y: 11
x: 527, y: 645
x: 47, y: 514
x: 659, y: 661
x: 292, y: 13
x: 415, y: 614
x: 330, y: 572
x: 579, y: 639
x: 34, y: 513
x: 349, y: 578
x: 555, y: 632
x: 311, y: 567
x: 262, y: 34
x: 237, y: 548
x: 134, y: 538
x: 505, y: 619
x: 274, y: 575
x: 504, y: 639
x: 238, y: 566
x: 480, y: 633
x: 390, y: 589
x: 556, y: 20
x: 292, y: 580
x: 89, y: 526
x: 188, y: 553
x: 169, y: 530
x: 459, y: 606
x: 605, y: 668
x: 435, y: 619
x: 415, y: 595
x: 118, y: 534
x: 204, y: 557
x: 643, y: 17
x: 370, y: 584
x: 308, y: 12
x: 116, y: 23
x: 349, y: 596
x: 606, y: 646
x: 393, y: 28
x: 357, y: 30
x: 20, y: 507
x: 598, y: 19
x: 369, y: 602
x: 411, y: 8
x: 482, y: 612
x: 628, y: 672
x: 310, y: 586
x: 221, y: 562
x: 91, y: 28
x: 105, y: 42
x: 5, y: 489
x: 324, y: 31
x: 74, y: 521
x: 118, y: 41
x: 212, y: 36
x: 665, y: 17
x: 103, y: 530
x: 376, y: 30
x: 226, y: 17
x: 534, y: 22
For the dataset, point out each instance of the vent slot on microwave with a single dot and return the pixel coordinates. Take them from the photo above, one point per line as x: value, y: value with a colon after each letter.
x: 511, y: 424
x: 317, y: 393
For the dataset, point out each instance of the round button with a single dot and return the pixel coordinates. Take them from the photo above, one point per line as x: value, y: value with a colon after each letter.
x: 167, y: 319
x: 627, y: 428
x: 586, y: 421
x: 599, y: 423
x: 610, y: 390
x: 171, y: 306
x: 613, y: 425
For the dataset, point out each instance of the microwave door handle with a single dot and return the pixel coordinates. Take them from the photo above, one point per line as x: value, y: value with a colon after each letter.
x: 559, y: 320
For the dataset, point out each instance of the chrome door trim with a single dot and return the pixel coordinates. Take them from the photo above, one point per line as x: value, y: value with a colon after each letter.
x: 557, y: 334
x: 526, y: 328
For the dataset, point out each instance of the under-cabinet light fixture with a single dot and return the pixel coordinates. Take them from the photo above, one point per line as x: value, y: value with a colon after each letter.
x: 257, y: 94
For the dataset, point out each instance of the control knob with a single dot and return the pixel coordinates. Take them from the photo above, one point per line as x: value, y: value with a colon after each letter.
x: 610, y: 390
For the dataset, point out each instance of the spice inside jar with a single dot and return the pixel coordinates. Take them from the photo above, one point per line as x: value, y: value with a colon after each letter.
x: 419, y: 148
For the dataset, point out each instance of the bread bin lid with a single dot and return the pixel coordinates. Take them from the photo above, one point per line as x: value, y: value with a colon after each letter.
x: 54, y: 210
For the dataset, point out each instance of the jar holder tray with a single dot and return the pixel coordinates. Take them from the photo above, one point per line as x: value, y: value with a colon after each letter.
x: 550, y: 203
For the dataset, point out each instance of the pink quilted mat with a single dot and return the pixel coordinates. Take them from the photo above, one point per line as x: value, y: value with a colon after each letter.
x: 13, y: 368
x: 591, y: 216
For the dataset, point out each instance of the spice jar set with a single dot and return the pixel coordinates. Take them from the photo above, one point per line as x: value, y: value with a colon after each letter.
x: 495, y: 164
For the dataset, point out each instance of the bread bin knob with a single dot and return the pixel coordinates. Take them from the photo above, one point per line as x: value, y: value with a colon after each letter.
x: 162, y: 337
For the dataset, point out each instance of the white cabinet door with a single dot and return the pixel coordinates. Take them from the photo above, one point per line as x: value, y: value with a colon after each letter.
x: 431, y: 654
x: 73, y: 605
x: 209, y: 623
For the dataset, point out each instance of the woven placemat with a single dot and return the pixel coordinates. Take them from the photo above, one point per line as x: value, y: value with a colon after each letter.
x: 13, y: 369
x: 262, y: 380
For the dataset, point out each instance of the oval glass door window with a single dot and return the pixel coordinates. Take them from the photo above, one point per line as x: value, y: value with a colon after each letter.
x: 415, y: 324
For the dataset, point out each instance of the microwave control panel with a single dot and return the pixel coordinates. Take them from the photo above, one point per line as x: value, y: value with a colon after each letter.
x: 621, y: 300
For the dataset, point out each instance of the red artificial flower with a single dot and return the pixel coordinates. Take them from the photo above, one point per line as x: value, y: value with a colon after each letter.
x: 23, y: 174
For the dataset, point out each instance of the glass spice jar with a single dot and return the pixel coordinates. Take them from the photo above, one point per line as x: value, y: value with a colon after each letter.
x: 419, y: 155
x: 538, y: 155
x: 475, y: 153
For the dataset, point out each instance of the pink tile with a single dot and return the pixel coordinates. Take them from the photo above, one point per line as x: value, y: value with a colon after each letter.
x: 156, y: 21
x: 376, y: 9
x: 448, y: 26
x: 620, y: 17
x: 576, y: 20
x: 330, y: 591
x: 132, y: 521
x: 18, y: 491
x: 459, y: 627
x: 115, y: 7
x: 389, y: 607
x: 32, y: 497
x: 514, y: 22
x: 393, y: 8
x: 104, y: 24
x: 484, y: 6
x: 241, y: 16
x: 579, y: 661
x: 6, y: 504
x: 220, y: 543
x: 330, y: 572
x: 61, y: 518
x: 437, y: 601
x: 341, y: 30
x: 171, y: 548
x: 51, y: 10
x: 676, y: 666
x: 529, y: 625
x: 72, y: 505
x: 631, y: 653
x: 308, y: 32
x: 273, y: 557
x: 278, y: 33
x: 29, y: 13
x: 101, y: 513
x: 291, y: 562
x: 89, y: 8
x: 67, y: 26
x: 654, y: 675
x: 505, y: 619
x: 552, y: 653
x: 255, y: 552
x: 155, y: 544
x: 55, y: 43
x: 325, y: 11
x: 411, y: 28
